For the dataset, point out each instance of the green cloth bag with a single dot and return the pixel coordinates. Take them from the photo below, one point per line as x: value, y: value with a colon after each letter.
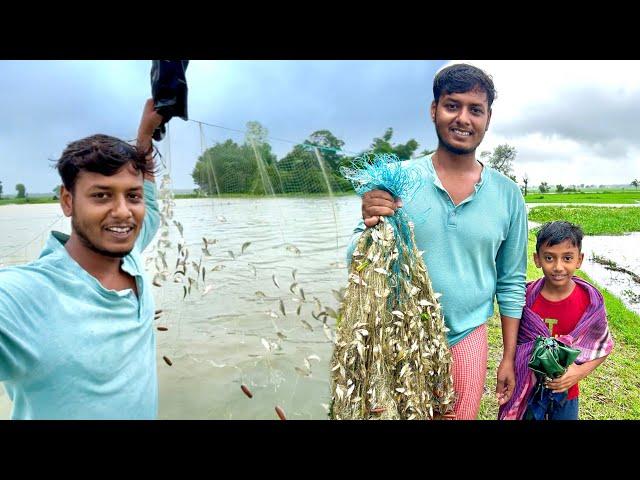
x: 551, y: 358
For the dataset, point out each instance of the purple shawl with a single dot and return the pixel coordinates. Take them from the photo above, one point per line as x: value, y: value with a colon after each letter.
x: 591, y: 335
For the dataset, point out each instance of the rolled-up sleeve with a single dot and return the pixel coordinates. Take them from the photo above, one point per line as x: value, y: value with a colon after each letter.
x: 151, y: 221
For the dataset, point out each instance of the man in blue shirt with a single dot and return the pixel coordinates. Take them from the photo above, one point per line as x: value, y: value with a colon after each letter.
x: 76, y: 336
x: 471, y: 223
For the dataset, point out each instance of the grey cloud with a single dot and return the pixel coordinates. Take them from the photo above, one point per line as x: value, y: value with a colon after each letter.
x: 606, y: 121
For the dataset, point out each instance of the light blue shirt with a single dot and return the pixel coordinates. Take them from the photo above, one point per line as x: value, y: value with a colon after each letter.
x: 475, y: 251
x: 72, y: 349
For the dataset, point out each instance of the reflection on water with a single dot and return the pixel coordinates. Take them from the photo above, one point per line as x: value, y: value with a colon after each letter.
x: 623, y: 250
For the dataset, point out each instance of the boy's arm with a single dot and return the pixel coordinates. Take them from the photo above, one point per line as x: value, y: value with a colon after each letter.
x: 573, y: 375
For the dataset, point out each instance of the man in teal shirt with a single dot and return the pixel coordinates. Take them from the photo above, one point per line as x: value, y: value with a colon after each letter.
x: 76, y: 336
x: 471, y: 223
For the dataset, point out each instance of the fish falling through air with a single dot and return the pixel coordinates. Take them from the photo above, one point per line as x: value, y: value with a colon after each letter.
x: 391, y: 359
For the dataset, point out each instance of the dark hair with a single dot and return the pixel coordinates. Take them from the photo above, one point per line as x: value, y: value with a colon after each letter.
x: 553, y: 233
x: 99, y: 154
x: 461, y: 78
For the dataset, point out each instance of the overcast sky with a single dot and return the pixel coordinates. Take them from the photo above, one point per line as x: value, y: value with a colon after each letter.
x: 571, y: 122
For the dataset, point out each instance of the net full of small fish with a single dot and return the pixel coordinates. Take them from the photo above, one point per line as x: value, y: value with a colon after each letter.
x: 391, y: 359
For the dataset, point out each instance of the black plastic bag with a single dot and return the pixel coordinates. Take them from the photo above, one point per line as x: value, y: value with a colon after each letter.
x: 169, y: 91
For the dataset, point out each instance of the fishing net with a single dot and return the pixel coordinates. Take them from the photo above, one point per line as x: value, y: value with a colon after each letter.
x: 391, y: 359
x: 247, y: 275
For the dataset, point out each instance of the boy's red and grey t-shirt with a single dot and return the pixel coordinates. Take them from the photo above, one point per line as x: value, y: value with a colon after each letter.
x: 567, y: 312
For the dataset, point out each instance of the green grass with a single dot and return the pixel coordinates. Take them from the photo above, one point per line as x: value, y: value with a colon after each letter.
x: 27, y: 201
x: 612, y: 391
x: 626, y: 196
x: 592, y: 220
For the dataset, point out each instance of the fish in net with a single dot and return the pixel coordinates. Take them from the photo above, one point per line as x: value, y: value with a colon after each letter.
x: 391, y: 359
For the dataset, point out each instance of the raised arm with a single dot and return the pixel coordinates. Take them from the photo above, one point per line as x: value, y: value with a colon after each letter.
x: 148, y: 123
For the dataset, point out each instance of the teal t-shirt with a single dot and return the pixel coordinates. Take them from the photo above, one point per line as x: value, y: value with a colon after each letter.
x: 72, y: 349
x: 475, y: 251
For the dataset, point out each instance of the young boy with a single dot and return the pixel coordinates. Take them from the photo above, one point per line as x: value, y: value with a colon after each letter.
x: 567, y: 308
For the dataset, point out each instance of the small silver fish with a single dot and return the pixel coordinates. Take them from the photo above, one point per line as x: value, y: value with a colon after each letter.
x: 273, y: 277
x: 304, y: 373
x: 253, y: 268
x: 179, y: 226
x: 282, y: 308
x: 217, y: 267
x: 293, y: 273
x: 207, y: 289
x: 244, y: 247
x: 306, y: 325
x: 260, y: 294
x: 327, y: 332
x: 233, y: 257
x: 293, y: 249
x: 331, y: 312
x: 292, y: 286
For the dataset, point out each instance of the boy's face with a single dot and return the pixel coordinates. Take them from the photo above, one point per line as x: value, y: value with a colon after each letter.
x: 461, y: 120
x: 558, y: 262
x: 106, y: 211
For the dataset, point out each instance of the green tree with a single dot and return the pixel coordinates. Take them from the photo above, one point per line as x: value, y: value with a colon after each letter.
x: 301, y: 171
x: 228, y: 167
x: 0, y: 189
x: 427, y: 151
x: 21, y: 190
x: 404, y: 151
x: 501, y: 159
x: 544, y: 187
x: 635, y: 183
x: 56, y: 192
x: 559, y: 188
x: 330, y: 147
x: 259, y: 134
x: 525, y: 180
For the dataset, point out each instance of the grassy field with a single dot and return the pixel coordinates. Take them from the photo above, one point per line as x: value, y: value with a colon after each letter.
x: 26, y: 201
x: 612, y: 391
x: 593, y: 220
x: 613, y: 196
x: 619, y: 196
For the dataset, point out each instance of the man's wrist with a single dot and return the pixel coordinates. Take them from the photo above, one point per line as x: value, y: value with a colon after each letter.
x: 509, y: 356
